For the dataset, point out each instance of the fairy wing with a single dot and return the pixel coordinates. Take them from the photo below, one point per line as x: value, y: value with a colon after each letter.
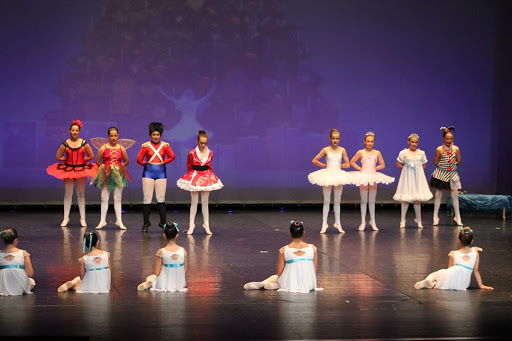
x: 97, y: 142
x: 126, y: 143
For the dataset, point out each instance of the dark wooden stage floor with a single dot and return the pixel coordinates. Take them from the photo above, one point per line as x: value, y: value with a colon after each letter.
x: 368, y: 279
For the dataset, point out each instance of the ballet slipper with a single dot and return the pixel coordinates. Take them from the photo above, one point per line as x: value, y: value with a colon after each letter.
x: 362, y: 226
x: 319, y: 289
x: 207, y: 229
x: 324, y: 228
x: 83, y: 223
x: 402, y: 224
x: 436, y: 221
x: 253, y: 285
x: 191, y: 229
x: 144, y: 286
x: 271, y: 286
x: 120, y: 224
x: 420, y: 225
x: 373, y: 225
x: 423, y: 284
x: 101, y: 225
x: 31, y: 282
x: 65, y: 287
x: 183, y: 290
x: 64, y: 222
x: 339, y: 228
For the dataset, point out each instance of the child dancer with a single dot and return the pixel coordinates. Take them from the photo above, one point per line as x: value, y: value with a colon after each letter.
x: 199, y: 179
x: 331, y: 176
x: 15, y: 267
x: 74, y: 170
x: 445, y: 176
x: 461, y: 264
x: 367, y: 178
x: 94, y: 269
x: 170, y: 265
x: 112, y: 173
x: 297, y: 265
x: 154, y: 176
x: 412, y: 186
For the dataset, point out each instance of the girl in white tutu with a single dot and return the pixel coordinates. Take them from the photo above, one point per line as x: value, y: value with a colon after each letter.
x: 297, y: 265
x: 94, y: 269
x: 170, y: 265
x: 461, y: 264
x: 412, y: 186
x: 15, y: 267
x: 367, y: 177
x: 331, y: 176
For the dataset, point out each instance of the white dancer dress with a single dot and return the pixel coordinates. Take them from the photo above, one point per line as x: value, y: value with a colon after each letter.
x: 299, y: 271
x: 172, y: 274
x: 332, y: 174
x: 368, y: 174
x: 413, y: 185
x: 97, y: 275
x: 458, y: 276
x: 13, y: 278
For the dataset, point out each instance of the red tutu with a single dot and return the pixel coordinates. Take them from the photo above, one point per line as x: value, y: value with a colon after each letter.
x: 65, y: 171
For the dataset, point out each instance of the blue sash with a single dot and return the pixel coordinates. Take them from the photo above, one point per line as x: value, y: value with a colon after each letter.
x: 298, y: 260
x: 173, y: 265
x: 95, y: 269
x: 12, y: 267
x: 464, y: 266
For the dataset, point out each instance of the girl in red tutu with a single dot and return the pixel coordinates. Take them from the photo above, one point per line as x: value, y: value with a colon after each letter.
x: 199, y: 179
x: 112, y: 173
x: 74, y: 168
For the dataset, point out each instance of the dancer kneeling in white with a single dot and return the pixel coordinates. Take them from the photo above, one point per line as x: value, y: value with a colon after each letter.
x: 297, y: 264
x: 461, y: 264
x: 170, y: 265
x: 15, y: 267
x: 94, y: 269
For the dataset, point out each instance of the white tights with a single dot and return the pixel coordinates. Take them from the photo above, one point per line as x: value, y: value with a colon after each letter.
x: 368, y: 195
x: 158, y: 186
x: 338, y: 190
x: 69, y: 184
x: 194, y: 196
x: 455, y: 203
x: 417, y: 210
x: 105, y: 195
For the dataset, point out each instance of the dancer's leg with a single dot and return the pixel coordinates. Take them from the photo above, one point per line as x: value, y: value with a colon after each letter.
x: 160, y: 189
x: 417, y: 211
x: 204, y: 210
x: 146, y: 284
x: 363, y: 191
x: 338, y: 190
x: 372, y: 195
x: 118, y: 194
x: 455, y: 203
x: 437, y: 203
x: 405, y: 206
x: 68, y: 197
x: 80, y: 198
x: 148, y: 186
x: 194, y: 198
x: 325, y: 212
x: 105, y: 194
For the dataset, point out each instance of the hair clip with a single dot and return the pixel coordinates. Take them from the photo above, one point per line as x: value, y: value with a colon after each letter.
x: 90, y: 241
x: 413, y: 135
x: 466, y: 231
x: 176, y: 225
x: 292, y: 221
x: 78, y: 123
x: 370, y: 133
x: 83, y: 246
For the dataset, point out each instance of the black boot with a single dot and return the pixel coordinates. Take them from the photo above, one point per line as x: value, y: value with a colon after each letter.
x: 146, y: 210
x: 161, y: 210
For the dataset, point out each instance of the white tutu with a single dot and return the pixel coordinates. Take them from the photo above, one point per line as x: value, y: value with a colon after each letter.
x: 97, y: 275
x: 172, y: 274
x: 332, y: 174
x: 412, y: 185
x: 299, y: 271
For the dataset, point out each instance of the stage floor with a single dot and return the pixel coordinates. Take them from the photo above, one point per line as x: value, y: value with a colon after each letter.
x: 367, y: 277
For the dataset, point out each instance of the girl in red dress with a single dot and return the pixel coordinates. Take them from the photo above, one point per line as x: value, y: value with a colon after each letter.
x: 199, y: 179
x: 74, y: 168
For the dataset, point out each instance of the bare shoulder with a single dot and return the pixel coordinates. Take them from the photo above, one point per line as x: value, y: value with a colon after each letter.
x: 281, y: 250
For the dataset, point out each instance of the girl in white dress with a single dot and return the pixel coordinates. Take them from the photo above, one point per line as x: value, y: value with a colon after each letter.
x: 461, y: 264
x: 331, y: 176
x: 170, y: 265
x: 297, y: 265
x: 367, y: 177
x: 15, y: 267
x: 412, y: 186
x: 95, y: 275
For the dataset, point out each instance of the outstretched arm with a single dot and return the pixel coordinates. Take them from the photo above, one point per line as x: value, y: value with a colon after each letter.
x: 212, y: 90
x: 476, y: 271
x: 170, y: 98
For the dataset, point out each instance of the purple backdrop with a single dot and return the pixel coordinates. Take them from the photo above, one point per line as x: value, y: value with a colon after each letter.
x: 266, y: 79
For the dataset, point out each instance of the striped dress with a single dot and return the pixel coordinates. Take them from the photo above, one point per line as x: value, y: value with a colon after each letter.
x: 445, y: 176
